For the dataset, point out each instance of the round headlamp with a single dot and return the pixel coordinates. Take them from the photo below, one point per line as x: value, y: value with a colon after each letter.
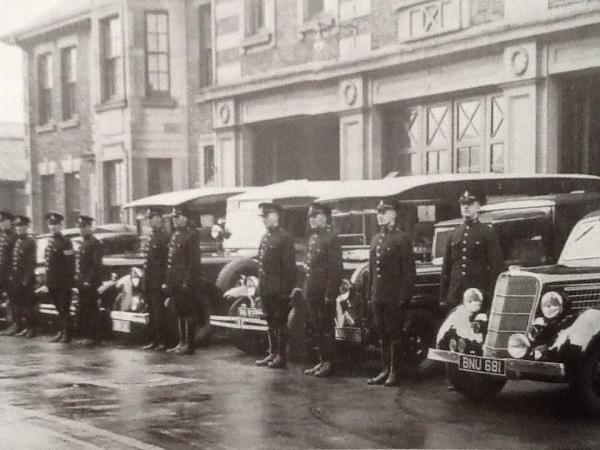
x: 518, y: 345
x: 551, y: 304
x: 251, y: 285
x: 472, y: 300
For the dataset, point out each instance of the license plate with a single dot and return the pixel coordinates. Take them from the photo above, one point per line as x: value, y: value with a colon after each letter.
x: 348, y: 334
x: 251, y: 313
x: 122, y: 326
x: 490, y: 366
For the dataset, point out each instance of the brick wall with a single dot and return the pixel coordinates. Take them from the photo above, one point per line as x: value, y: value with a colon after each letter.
x: 65, y: 141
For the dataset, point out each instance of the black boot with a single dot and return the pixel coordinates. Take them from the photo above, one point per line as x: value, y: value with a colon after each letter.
x: 385, y: 365
x: 181, y: 329
x: 188, y: 347
x: 392, y: 379
x: 280, y: 361
x: 67, y: 332
x: 272, y: 335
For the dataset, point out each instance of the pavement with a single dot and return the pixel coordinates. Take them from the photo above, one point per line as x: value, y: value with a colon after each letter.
x: 56, y: 396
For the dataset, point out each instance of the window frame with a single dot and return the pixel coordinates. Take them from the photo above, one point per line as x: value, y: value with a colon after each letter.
x: 111, y: 51
x: 259, y: 38
x: 205, y: 45
x: 151, y: 93
x: 68, y: 65
x: 45, y: 71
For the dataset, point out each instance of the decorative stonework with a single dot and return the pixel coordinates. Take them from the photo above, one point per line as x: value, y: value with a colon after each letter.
x: 520, y: 62
x: 224, y: 114
x: 421, y: 18
x: 351, y: 93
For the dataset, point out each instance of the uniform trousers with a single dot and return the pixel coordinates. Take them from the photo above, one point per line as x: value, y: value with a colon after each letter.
x: 89, y: 313
x: 158, y: 315
x: 388, y: 318
x: 322, y: 317
x: 183, y: 301
x: 61, y: 298
x: 276, y: 308
x: 23, y: 299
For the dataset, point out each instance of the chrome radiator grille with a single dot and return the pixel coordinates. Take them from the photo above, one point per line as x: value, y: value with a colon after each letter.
x: 583, y: 296
x: 514, y: 300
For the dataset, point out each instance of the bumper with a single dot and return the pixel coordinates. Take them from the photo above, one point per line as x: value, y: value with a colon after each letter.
x: 239, y: 323
x: 515, y: 368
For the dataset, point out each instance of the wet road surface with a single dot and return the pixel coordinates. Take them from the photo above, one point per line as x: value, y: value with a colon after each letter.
x: 57, y: 396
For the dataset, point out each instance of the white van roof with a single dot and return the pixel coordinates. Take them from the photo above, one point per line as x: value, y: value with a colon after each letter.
x: 203, y: 195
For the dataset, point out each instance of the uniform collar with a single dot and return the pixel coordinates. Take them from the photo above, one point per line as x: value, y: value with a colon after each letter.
x: 471, y: 221
x: 57, y: 234
x: 321, y: 230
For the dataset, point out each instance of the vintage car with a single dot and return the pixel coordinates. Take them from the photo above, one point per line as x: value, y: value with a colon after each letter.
x: 543, y: 324
x: 129, y: 311
x: 424, y: 200
x: 115, y: 237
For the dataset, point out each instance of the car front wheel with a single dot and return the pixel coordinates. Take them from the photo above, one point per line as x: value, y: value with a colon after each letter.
x: 472, y: 385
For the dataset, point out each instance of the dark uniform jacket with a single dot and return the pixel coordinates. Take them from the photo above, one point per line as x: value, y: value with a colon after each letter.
x: 157, y: 254
x: 391, y: 267
x: 473, y: 258
x: 60, y: 262
x: 276, y: 263
x: 88, y: 266
x: 7, y: 244
x: 183, y: 263
x: 23, y: 262
x: 324, y: 268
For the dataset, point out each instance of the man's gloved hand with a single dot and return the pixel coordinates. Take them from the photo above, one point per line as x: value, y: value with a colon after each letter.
x: 164, y: 288
x: 167, y: 302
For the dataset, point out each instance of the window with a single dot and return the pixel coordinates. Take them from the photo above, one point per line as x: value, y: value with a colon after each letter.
x: 114, y: 189
x: 255, y: 17
x: 205, y: 27
x: 45, y: 85
x: 160, y: 175
x: 312, y: 8
x: 68, y: 62
x: 209, y: 165
x: 72, y: 207
x: 157, y: 54
x: 112, y: 83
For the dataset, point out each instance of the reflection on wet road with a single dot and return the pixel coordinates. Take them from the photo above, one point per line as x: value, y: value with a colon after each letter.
x: 52, y: 396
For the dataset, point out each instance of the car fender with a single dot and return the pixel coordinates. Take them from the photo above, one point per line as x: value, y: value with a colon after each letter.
x: 458, y: 325
x: 578, y: 338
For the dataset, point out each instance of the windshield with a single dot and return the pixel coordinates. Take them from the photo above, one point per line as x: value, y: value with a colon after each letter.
x: 583, y: 246
x: 440, y: 240
x: 246, y: 229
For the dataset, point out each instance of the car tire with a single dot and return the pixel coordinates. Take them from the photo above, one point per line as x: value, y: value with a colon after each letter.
x: 250, y: 342
x: 474, y: 386
x: 419, y: 333
x: 232, y: 272
x: 587, y: 381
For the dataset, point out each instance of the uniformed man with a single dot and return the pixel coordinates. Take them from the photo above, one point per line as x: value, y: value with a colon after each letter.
x: 22, y: 278
x: 7, y: 243
x: 155, y: 269
x: 88, y: 277
x: 473, y: 257
x: 324, y: 270
x: 391, y: 281
x: 60, y: 274
x: 183, y: 278
x: 276, y: 278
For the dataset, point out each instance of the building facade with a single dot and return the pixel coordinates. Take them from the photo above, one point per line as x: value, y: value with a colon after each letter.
x: 13, y: 169
x: 133, y: 97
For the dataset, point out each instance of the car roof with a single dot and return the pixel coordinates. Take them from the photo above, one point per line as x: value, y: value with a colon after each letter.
x: 385, y: 187
x: 510, y: 210
x: 204, y: 195
x: 594, y: 215
x: 107, y: 228
x: 289, y: 192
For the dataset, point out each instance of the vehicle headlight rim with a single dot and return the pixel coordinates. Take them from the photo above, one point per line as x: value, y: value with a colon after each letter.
x: 549, y: 311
